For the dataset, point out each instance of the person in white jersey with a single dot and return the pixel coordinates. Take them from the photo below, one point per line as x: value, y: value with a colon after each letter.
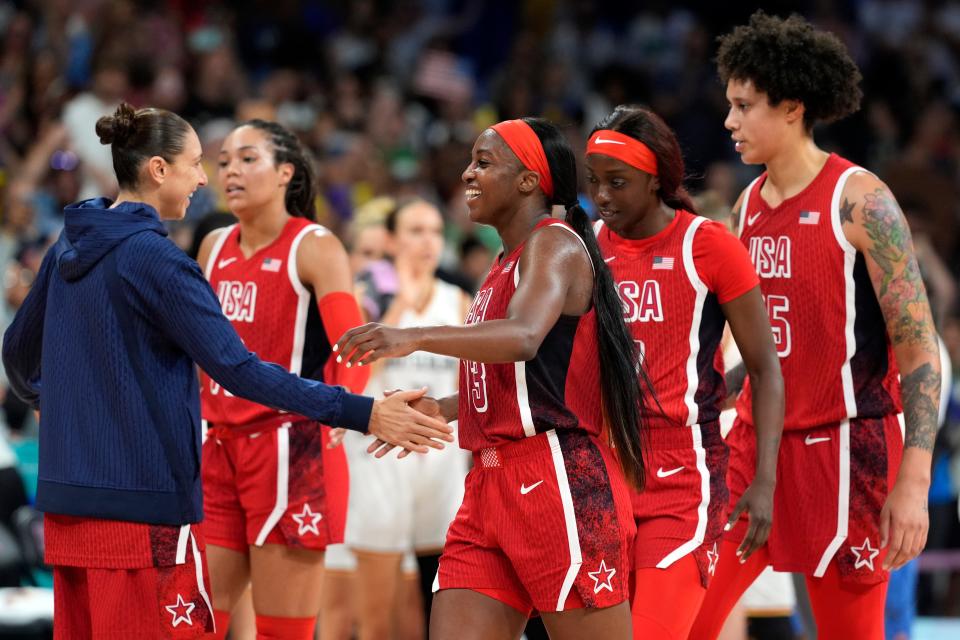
x: 404, y: 504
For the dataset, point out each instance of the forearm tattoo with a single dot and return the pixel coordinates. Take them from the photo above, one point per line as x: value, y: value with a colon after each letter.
x: 921, y: 394
x: 900, y: 289
x: 903, y: 299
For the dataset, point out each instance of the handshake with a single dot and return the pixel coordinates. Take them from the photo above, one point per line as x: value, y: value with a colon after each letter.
x: 410, y: 420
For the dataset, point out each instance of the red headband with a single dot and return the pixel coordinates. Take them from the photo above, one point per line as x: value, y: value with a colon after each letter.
x: 623, y: 148
x: 523, y: 141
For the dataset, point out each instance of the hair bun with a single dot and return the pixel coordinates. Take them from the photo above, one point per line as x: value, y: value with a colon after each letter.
x: 118, y: 128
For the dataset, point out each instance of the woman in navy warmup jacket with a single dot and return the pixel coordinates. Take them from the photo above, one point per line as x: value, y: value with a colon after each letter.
x: 105, y: 346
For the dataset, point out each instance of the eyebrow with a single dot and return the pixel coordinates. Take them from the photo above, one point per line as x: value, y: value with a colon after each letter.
x: 246, y: 147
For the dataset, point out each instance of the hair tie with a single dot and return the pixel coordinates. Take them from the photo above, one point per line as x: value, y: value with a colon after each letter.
x: 623, y: 148
x: 523, y: 141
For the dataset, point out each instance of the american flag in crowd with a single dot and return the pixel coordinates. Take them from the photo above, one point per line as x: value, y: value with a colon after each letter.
x: 662, y: 262
x: 271, y: 264
x: 809, y: 217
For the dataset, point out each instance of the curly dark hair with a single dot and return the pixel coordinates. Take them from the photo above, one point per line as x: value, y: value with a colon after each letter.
x: 790, y: 60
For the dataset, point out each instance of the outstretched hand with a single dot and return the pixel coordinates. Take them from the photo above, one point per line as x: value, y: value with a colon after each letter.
x: 426, y: 405
x: 370, y: 342
x: 394, y: 421
x: 757, y: 501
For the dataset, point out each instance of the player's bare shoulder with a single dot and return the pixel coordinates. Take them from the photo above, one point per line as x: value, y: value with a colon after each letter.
x: 322, y: 261
x: 870, y: 215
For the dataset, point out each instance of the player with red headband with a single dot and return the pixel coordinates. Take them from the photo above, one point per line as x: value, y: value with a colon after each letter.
x: 545, y: 522
x: 275, y: 493
x: 681, y: 278
x: 850, y: 312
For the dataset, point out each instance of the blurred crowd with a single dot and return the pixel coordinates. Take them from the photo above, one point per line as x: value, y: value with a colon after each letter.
x: 390, y: 95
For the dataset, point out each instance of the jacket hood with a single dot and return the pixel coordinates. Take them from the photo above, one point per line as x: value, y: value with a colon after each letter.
x: 92, y: 229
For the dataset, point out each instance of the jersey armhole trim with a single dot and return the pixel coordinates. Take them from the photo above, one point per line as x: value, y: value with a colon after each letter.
x: 745, y: 204
x: 835, y: 221
x: 292, y: 271
x: 217, y: 247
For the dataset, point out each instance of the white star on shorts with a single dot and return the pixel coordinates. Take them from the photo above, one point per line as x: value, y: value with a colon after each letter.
x: 176, y: 608
x: 303, y: 526
x: 865, y: 555
x: 713, y: 556
x: 604, y: 583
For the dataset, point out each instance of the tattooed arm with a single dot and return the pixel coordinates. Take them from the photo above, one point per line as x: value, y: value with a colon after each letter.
x: 873, y: 223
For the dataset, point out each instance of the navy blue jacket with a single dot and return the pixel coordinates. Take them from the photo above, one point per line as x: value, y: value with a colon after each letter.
x: 105, y: 344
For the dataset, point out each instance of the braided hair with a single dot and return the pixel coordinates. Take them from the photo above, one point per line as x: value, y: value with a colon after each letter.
x: 301, y: 195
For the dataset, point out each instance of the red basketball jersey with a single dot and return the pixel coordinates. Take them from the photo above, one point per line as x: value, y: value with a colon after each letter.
x: 274, y: 314
x: 835, y: 354
x: 503, y: 402
x: 671, y: 286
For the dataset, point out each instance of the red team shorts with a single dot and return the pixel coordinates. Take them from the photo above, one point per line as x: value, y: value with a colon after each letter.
x: 832, y: 482
x: 683, y: 507
x: 150, y: 581
x: 545, y: 524
x: 281, y: 486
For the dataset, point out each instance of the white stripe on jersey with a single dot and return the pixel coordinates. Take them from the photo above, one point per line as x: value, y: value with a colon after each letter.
x: 303, y: 300
x: 569, y: 518
x: 693, y: 413
x: 843, y: 501
x: 743, y: 206
x: 215, y: 252
x: 520, y: 380
x: 850, y: 295
x: 693, y: 376
x: 198, y: 563
x: 283, y: 477
x: 182, y: 544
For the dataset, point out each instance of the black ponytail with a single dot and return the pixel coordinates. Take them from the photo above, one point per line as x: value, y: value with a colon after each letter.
x: 301, y: 196
x: 622, y: 391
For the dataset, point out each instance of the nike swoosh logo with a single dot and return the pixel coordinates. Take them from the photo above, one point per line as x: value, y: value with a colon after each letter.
x: 599, y: 140
x: 524, y: 489
x: 610, y: 259
x: 225, y: 262
x: 666, y: 474
x: 811, y: 440
x: 752, y: 219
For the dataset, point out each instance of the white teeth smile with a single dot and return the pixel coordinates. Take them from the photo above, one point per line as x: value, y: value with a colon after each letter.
x: 472, y: 193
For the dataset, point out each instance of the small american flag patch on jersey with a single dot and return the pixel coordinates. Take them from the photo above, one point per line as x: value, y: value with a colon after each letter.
x: 662, y: 262
x: 271, y: 264
x: 809, y: 217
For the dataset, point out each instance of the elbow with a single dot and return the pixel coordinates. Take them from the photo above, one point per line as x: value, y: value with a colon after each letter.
x: 526, y: 346
x: 767, y: 377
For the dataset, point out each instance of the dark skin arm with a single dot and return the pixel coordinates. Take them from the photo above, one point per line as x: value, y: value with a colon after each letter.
x: 556, y: 278
x: 751, y: 331
x: 875, y: 226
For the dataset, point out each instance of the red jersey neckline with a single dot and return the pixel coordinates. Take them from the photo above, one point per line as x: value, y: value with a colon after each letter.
x: 831, y: 159
x: 642, y: 244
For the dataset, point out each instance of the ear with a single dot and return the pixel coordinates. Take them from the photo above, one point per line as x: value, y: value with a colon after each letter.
x: 285, y: 171
x: 157, y: 169
x: 529, y: 181
x: 654, y: 184
x: 794, y: 110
